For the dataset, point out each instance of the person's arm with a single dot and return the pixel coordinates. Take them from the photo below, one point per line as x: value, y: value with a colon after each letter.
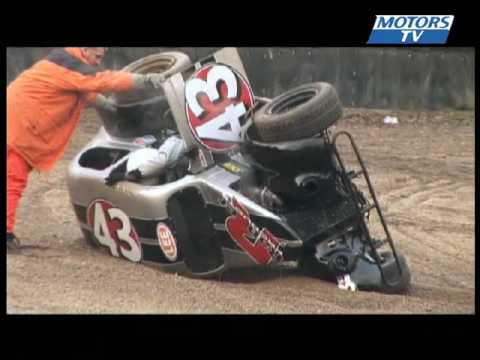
x: 101, y: 102
x: 109, y: 81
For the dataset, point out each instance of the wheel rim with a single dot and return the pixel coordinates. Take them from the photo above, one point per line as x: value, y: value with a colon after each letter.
x: 153, y: 66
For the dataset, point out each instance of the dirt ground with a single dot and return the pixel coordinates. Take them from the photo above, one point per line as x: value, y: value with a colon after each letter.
x: 423, y: 172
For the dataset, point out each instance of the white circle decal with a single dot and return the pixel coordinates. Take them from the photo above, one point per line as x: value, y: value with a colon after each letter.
x: 167, y: 241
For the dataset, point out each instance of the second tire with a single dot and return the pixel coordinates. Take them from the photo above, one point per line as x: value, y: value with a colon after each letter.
x: 299, y: 113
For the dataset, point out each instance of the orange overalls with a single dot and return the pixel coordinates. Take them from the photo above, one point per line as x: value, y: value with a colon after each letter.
x: 44, y: 105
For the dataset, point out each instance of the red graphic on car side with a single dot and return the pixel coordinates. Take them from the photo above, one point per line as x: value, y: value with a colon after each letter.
x: 260, y: 244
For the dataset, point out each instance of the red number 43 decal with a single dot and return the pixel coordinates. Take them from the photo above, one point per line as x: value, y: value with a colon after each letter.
x: 113, y: 229
x: 216, y: 97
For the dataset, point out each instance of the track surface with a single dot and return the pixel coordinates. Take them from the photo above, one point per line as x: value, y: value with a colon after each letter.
x: 423, y: 172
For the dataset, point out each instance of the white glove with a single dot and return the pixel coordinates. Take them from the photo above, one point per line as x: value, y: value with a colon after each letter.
x: 153, y: 162
x: 156, y: 80
x: 148, y: 161
x: 148, y: 81
x: 104, y: 103
x: 174, y: 149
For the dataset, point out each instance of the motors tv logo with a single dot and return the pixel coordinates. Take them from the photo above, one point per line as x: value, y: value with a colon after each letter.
x: 411, y: 29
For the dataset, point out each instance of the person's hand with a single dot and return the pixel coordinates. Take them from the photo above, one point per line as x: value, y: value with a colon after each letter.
x: 106, y: 104
x: 156, y: 80
x: 174, y: 149
x: 148, y: 81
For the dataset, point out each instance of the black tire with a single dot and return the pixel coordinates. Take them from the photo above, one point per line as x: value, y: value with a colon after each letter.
x: 167, y: 63
x: 194, y: 233
x: 298, y: 113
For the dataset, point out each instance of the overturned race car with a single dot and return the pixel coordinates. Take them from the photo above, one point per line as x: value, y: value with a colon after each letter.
x: 261, y: 182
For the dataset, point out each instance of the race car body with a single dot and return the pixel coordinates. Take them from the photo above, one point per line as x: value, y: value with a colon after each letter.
x: 257, y: 187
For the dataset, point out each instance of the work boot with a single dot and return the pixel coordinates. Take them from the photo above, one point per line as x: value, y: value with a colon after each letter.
x: 13, y: 244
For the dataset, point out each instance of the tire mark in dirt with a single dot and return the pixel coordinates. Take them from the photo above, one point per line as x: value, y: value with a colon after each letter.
x: 417, y: 194
x: 449, y: 250
x: 421, y: 248
x: 429, y: 215
x: 400, y: 192
x: 401, y: 220
x: 424, y: 169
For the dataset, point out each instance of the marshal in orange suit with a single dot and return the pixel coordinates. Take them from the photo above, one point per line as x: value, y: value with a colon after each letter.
x: 44, y: 106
